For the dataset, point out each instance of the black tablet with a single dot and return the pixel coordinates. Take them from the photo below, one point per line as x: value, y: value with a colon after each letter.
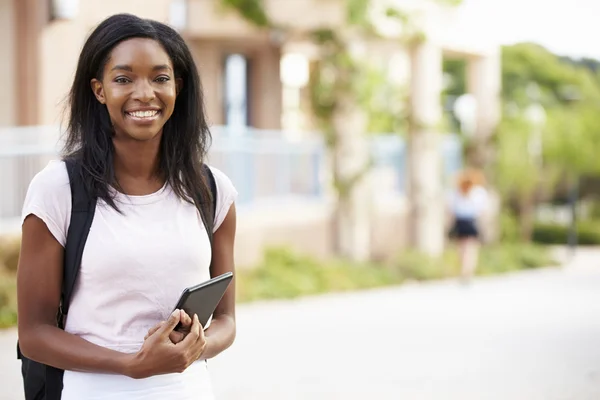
x: 203, y: 298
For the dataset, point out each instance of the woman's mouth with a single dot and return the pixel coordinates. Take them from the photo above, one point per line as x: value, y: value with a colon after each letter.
x: 143, y: 116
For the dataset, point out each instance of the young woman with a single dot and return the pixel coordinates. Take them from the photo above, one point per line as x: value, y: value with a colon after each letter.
x: 467, y: 204
x: 137, y: 128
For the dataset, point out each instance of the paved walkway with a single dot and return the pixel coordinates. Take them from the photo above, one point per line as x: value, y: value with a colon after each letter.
x: 527, y: 336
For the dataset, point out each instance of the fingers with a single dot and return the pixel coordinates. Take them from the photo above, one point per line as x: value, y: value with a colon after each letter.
x: 186, y: 320
x: 152, y: 330
x: 196, y: 333
x: 176, y: 337
x: 168, y: 326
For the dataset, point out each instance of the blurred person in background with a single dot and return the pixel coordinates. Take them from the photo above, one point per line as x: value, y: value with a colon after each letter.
x: 467, y: 203
x: 137, y: 130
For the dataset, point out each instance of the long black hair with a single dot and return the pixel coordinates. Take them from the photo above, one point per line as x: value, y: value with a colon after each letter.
x: 185, y: 137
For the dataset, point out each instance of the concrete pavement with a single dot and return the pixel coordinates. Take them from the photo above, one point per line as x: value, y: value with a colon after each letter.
x: 526, y: 336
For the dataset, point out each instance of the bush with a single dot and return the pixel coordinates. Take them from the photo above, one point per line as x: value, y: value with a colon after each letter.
x: 286, y: 274
x: 9, y: 258
x: 509, y: 227
x: 10, y: 248
x: 588, y: 233
x: 8, y: 300
x: 513, y: 257
x: 412, y: 265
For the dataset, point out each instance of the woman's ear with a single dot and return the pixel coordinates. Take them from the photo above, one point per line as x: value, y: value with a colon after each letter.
x: 178, y: 85
x: 98, y: 90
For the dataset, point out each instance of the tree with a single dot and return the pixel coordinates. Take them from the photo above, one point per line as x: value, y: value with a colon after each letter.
x: 570, y: 93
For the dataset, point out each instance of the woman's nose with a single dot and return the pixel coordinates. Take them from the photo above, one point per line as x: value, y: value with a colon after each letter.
x: 143, y: 91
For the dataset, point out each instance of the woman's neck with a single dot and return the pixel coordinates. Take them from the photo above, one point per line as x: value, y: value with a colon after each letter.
x: 136, y: 166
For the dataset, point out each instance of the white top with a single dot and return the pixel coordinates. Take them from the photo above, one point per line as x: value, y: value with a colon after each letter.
x: 134, y: 267
x: 470, y: 205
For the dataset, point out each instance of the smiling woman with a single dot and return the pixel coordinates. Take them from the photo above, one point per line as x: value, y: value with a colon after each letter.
x: 137, y: 135
x: 139, y: 89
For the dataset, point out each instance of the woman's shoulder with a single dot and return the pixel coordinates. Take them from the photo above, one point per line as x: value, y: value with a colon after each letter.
x: 226, y: 195
x: 53, y: 177
x: 223, y: 182
x: 49, y: 198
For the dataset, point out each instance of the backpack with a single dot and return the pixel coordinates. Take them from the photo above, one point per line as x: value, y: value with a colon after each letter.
x: 44, y: 382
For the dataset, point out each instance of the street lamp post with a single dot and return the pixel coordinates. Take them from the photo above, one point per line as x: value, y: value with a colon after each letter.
x: 572, y: 95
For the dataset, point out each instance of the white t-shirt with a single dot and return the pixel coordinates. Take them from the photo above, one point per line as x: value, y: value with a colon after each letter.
x: 471, y: 205
x: 134, y: 267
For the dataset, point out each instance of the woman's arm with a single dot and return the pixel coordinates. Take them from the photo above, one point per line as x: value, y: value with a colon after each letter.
x: 39, y: 280
x: 221, y: 332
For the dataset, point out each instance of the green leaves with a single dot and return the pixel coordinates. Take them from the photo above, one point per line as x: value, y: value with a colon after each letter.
x: 358, y: 12
x: 251, y: 10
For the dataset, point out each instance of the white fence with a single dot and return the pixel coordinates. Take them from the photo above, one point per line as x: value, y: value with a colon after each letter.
x: 263, y: 165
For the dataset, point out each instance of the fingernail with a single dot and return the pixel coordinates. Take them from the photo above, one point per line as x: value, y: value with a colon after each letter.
x: 175, y: 313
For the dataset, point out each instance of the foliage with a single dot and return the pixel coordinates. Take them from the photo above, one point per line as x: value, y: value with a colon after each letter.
x: 509, y: 227
x: 517, y: 173
x: 511, y: 257
x: 251, y: 10
x: 572, y: 139
x: 8, y: 299
x: 285, y: 274
x: 9, y: 253
x: 387, y: 106
x: 588, y: 233
x: 339, y: 75
x: 570, y: 94
x: 525, y: 63
x: 455, y: 70
x: 9, y: 258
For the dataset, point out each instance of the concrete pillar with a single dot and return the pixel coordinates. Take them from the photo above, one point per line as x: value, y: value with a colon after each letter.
x: 8, y: 64
x: 265, y: 88
x: 31, y: 18
x: 426, y: 215
x: 484, y: 81
x: 209, y: 60
x: 60, y: 45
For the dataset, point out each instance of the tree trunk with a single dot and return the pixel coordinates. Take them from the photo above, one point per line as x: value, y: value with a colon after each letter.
x: 526, y: 216
x: 350, y: 157
x: 425, y: 191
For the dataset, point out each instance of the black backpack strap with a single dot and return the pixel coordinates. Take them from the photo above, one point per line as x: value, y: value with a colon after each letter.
x: 208, y: 215
x: 83, y: 208
x: 82, y: 215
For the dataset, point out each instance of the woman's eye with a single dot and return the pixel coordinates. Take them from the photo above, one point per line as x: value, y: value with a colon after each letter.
x: 162, y: 79
x: 121, y: 80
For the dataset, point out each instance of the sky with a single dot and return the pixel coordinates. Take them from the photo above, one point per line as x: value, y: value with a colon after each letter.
x: 565, y: 27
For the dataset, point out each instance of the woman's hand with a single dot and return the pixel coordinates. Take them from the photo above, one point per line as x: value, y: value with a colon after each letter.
x: 159, y: 355
x: 176, y: 336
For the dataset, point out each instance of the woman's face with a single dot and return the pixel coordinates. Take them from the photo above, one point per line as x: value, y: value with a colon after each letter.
x: 138, y: 88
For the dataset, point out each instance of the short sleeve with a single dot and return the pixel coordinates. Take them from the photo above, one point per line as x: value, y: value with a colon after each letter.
x: 49, y: 198
x: 480, y: 198
x: 226, y: 195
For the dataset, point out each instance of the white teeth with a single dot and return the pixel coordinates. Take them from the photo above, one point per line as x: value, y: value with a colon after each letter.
x: 143, y: 114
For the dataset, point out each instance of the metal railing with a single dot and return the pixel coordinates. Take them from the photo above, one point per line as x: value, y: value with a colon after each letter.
x: 262, y: 164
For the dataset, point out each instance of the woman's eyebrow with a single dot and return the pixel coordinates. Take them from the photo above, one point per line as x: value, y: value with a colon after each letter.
x: 122, y: 67
x: 161, y: 67
x: 128, y: 68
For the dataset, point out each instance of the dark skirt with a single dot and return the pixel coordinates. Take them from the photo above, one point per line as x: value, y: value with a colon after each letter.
x: 464, y: 228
